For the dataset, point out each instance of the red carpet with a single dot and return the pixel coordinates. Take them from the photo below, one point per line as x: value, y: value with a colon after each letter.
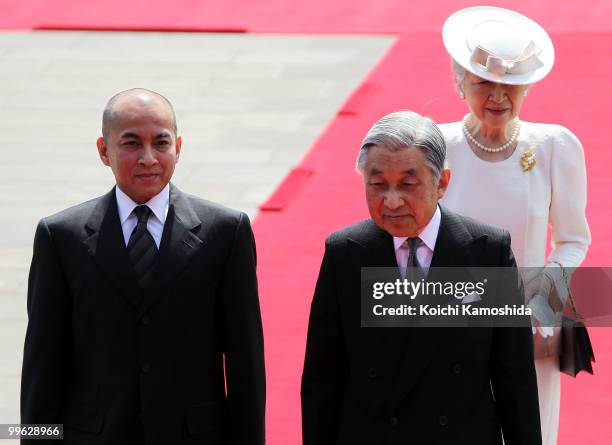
x: 324, y: 193
x: 286, y: 16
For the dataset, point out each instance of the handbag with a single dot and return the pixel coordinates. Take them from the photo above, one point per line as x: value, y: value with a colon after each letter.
x: 576, y: 349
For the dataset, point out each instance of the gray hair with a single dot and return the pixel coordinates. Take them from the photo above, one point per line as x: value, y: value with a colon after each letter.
x: 108, y: 116
x: 458, y: 74
x: 405, y: 129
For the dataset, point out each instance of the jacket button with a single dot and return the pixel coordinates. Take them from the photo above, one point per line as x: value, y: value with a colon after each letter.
x: 393, y: 421
x: 443, y: 420
x: 372, y: 373
x: 457, y: 368
x: 145, y: 367
x: 146, y: 319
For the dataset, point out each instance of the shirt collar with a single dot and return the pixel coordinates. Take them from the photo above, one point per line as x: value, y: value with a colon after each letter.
x: 428, y: 235
x: 158, y: 204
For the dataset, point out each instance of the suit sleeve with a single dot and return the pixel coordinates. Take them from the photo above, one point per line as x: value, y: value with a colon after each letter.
x: 513, y: 376
x: 243, y: 341
x: 48, y: 334
x: 325, y: 365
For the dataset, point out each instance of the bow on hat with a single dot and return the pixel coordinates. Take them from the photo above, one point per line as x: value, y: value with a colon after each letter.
x: 492, y: 37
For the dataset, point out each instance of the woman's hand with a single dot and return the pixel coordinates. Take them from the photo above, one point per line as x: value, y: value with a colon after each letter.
x: 540, y: 284
x: 542, y: 298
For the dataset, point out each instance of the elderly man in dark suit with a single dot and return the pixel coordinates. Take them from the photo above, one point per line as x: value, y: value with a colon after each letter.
x: 403, y: 386
x: 144, y: 323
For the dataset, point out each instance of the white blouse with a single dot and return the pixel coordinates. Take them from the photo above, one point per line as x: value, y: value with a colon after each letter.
x: 524, y: 203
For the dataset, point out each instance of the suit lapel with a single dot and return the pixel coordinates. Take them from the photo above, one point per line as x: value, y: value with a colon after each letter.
x: 373, y: 247
x: 178, y: 245
x: 453, y: 245
x: 106, y: 245
x: 453, y: 248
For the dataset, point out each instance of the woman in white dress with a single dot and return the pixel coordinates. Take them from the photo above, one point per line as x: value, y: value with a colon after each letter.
x: 519, y: 175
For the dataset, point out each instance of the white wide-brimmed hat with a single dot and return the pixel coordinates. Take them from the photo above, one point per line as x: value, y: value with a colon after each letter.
x: 499, y: 45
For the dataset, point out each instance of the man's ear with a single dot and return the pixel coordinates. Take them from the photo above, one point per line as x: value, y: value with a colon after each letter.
x: 179, y: 143
x: 102, y: 151
x: 445, y: 177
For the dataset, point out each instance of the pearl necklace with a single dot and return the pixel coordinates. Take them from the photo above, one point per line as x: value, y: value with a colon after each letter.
x: 489, y: 149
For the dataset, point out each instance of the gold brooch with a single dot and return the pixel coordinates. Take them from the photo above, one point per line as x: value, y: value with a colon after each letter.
x: 528, y: 160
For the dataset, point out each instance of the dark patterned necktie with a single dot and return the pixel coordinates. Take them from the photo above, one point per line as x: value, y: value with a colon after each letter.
x: 141, y: 247
x: 413, y: 268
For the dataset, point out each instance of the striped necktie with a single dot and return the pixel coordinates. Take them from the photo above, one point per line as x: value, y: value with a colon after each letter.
x: 413, y: 268
x: 141, y: 247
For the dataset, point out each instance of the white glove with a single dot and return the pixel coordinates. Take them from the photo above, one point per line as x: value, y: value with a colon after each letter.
x: 540, y: 284
x: 543, y: 315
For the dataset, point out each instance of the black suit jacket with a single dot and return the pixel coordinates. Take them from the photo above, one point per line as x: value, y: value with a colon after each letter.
x: 119, y: 366
x: 419, y: 386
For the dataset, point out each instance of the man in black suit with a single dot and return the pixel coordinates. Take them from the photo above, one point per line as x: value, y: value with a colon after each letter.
x: 144, y: 323
x: 460, y: 386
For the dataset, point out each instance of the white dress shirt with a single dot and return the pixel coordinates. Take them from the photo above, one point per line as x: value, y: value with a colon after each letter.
x: 425, y: 250
x: 159, y: 210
